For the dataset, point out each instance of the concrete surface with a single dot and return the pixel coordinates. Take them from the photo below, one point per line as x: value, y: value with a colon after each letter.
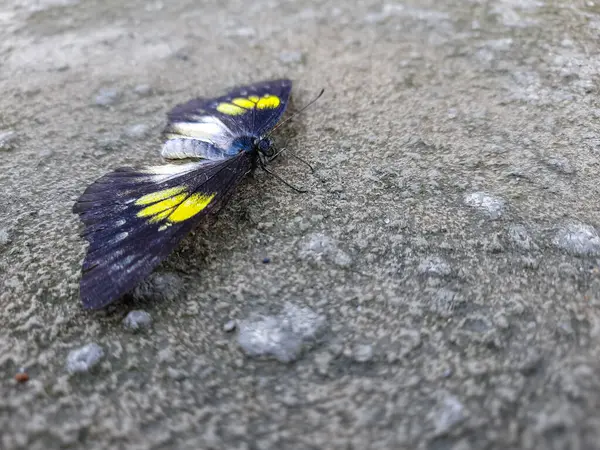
x: 441, y: 279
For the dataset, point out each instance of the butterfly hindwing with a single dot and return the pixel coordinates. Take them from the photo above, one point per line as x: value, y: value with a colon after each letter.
x: 135, y: 217
x: 246, y: 110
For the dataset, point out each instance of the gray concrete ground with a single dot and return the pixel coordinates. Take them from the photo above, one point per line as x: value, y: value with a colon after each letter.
x: 438, y: 288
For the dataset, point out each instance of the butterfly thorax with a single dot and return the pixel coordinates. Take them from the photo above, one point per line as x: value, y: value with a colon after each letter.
x: 252, y: 144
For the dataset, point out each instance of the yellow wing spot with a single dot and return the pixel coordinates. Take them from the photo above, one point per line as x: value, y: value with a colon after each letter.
x: 161, y: 206
x: 243, y: 102
x: 268, y: 102
x: 240, y: 105
x: 161, y: 216
x: 159, y: 195
x: 190, y: 207
x: 229, y: 109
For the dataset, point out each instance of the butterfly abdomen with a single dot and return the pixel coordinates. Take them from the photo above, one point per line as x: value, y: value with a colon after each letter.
x: 182, y: 148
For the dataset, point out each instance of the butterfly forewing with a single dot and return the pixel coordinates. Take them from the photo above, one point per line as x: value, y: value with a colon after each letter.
x: 245, y: 111
x: 134, y: 219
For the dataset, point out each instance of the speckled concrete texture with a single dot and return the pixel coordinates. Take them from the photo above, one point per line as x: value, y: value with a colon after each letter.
x: 438, y: 288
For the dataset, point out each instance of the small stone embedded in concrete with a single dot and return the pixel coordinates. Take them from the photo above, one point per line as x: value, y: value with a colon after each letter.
x: 107, y: 97
x: 230, y: 326
x: 137, y: 131
x: 345, y: 144
x: 322, y: 361
x: 493, y: 245
x: 45, y: 155
x: 476, y: 324
x: 409, y: 340
x: 530, y: 263
x: 447, y: 414
x: 561, y: 165
x: 43, y: 5
x: 246, y: 32
x: 291, y: 57
x: 319, y: 247
x: 342, y: 259
x: 476, y: 368
x: 336, y: 347
x: 434, y: 266
x: 282, y: 336
x: 109, y: 144
x: 303, y: 320
x: 264, y: 225
x: 492, y: 206
x: 85, y: 358
x: 4, y: 237
x: 578, y: 239
x: 176, y: 374
x: 520, y: 237
x: 166, y: 355
x: 531, y: 362
x: 567, y: 270
x: 444, y: 301
x: 362, y: 353
x: 267, y: 337
x: 7, y: 139
x: 137, y: 320
x: 565, y: 327
x: 143, y: 90
x: 501, y: 321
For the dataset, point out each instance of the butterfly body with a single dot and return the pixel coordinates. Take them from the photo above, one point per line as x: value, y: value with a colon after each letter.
x: 135, y: 217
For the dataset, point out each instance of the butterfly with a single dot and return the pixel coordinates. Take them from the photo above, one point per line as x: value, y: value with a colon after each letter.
x: 134, y: 217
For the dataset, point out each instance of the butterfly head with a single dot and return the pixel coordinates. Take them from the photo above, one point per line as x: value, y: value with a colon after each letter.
x: 264, y: 146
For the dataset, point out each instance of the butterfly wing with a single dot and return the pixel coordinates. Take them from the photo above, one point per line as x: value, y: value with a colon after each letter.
x: 135, y: 217
x: 215, y: 123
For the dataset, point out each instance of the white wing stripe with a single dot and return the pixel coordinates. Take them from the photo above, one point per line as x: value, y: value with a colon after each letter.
x: 209, y: 129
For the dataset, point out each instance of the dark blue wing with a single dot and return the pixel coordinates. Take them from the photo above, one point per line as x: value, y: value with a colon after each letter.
x: 135, y: 217
x: 245, y: 111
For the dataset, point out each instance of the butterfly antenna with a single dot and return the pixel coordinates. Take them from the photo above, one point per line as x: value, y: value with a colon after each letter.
x: 299, y: 190
x: 263, y: 167
x: 312, y: 169
x: 293, y: 115
x: 292, y: 154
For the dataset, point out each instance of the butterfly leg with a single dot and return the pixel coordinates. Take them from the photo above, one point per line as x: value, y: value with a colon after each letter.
x: 312, y: 169
x: 275, y: 155
x: 264, y: 167
x: 254, y: 165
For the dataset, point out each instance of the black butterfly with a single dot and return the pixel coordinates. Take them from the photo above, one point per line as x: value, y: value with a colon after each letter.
x: 135, y: 217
